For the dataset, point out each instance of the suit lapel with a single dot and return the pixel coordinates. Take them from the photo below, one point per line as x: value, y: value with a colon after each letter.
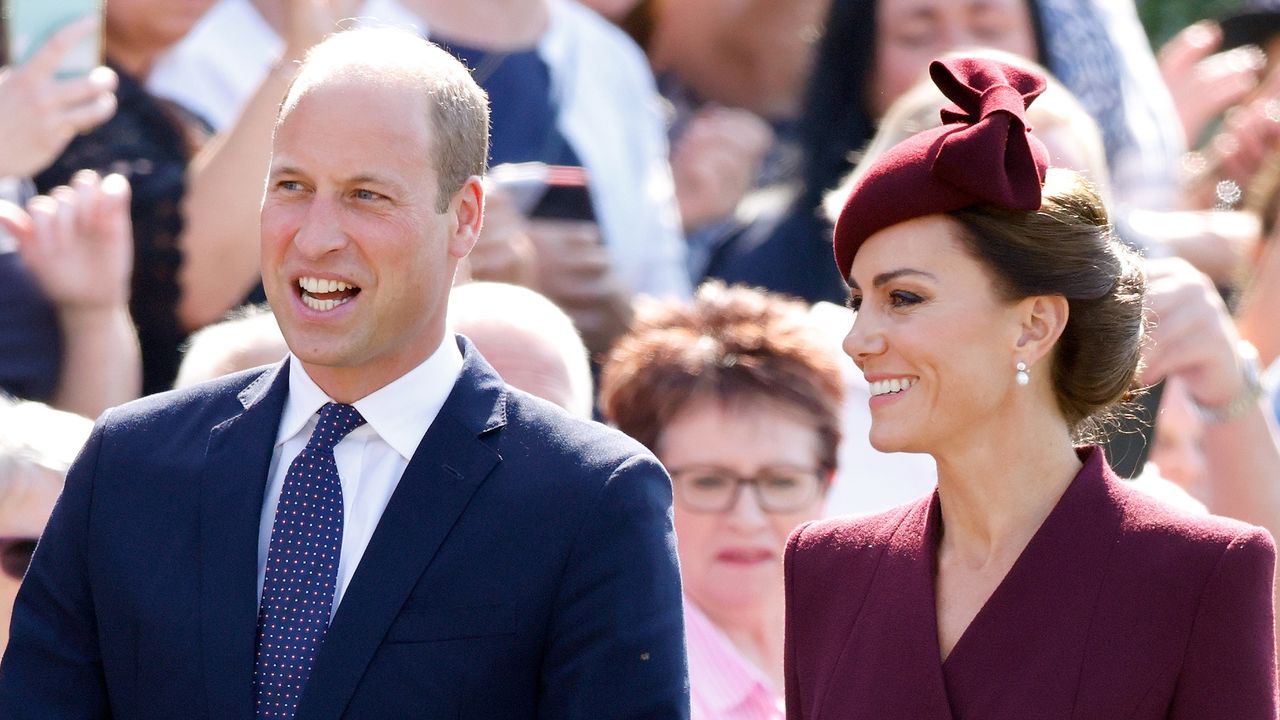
x: 1032, y: 631
x: 445, y: 471
x: 237, y: 460
x: 891, y: 667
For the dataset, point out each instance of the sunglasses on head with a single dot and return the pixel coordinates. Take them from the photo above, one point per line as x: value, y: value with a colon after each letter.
x: 15, y: 556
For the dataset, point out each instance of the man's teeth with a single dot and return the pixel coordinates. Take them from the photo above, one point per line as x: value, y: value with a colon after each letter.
x: 322, y: 305
x: 319, y: 285
x: 884, y: 387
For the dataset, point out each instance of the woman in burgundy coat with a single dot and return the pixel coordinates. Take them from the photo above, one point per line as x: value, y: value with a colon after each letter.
x: 997, y: 319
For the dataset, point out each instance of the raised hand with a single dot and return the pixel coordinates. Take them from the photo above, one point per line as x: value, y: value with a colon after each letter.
x: 1192, y: 337
x: 40, y: 114
x: 715, y: 161
x: 574, y: 270
x: 78, y: 241
x: 1205, y: 83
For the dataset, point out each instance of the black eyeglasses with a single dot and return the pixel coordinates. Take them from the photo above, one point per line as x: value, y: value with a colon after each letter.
x: 15, y: 556
x: 715, y: 489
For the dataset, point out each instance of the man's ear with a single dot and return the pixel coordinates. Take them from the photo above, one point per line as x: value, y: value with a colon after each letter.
x: 466, y: 217
x: 1043, y: 318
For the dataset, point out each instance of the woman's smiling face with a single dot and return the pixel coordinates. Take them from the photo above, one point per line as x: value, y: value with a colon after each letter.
x: 932, y: 334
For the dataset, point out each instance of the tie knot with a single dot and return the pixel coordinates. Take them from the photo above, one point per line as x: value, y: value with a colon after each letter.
x: 337, y: 420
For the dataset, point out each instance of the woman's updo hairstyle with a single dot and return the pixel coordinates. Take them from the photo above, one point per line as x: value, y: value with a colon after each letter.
x: 1039, y: 231
x: 1068, y: 248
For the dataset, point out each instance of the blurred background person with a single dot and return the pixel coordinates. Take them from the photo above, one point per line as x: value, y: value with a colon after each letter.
x: 871, y: 52
x: 216, y: 67
x: 37, y: 445
x: 247, y: 338
x: 195, y: 199
x: 738, y: 395
x: 65, y: 333
x: 530, y: 341
x: 570, y: 89
x: 567, y: 88
x: 77, y: 245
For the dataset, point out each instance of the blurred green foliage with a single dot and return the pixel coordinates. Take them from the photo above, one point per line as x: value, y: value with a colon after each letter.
x: 1164, y: 18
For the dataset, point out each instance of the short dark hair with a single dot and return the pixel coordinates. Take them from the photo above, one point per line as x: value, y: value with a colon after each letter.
x: 458, y: 108
x: 730, y: 344
x: 1068, y: 248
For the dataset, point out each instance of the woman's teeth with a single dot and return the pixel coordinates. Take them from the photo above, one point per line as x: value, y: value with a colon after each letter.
x: 885, y: 387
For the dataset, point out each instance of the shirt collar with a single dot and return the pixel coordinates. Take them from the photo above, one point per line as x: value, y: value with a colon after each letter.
x: 723, y: 678
x: 399, y: 412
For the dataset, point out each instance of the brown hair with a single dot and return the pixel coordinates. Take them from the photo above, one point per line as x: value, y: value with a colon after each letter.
x: 1068, y: 248
x: 732, y: 344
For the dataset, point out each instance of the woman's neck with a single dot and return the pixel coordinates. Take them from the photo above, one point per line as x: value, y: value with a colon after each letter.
x: 996, y: 492
x: 503, y: 25
x: 135, y: 62
x: 757, y: 635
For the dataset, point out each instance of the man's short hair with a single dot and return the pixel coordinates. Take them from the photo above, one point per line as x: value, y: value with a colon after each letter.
x: 458, y: 108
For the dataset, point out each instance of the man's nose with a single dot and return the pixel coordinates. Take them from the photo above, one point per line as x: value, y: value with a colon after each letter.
x: 320, y: 230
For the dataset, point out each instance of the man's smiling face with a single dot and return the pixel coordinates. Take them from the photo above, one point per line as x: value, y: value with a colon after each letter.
x: 357, y: 260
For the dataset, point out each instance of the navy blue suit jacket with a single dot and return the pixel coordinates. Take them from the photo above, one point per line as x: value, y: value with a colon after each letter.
x: 524, y: 568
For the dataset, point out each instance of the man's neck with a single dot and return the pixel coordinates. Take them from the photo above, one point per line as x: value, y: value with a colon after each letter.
x: 504, y: 25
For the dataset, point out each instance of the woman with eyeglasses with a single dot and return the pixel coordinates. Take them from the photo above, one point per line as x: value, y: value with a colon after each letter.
x: 37, y: 445
x: 738, y: 396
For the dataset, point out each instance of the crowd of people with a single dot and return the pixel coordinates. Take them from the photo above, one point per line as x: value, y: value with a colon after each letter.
x: 954, y: 324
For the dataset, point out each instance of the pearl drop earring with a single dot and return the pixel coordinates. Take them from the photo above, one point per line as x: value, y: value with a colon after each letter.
x: 1023, y: 377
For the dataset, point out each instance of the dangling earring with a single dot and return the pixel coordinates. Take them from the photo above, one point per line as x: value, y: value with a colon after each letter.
x: 1023, y: 377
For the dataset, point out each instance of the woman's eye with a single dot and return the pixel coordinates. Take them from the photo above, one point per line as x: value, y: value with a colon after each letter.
x: 902, y: 298
x: 709, y: 482
x: 854, y: 302
x: 780, y: 482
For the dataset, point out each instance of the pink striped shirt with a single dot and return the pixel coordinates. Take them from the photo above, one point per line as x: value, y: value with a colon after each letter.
x: 723, y: 685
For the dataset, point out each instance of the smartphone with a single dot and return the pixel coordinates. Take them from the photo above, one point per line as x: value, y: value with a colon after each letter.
x: 546, y: 192
x: 30, y: 23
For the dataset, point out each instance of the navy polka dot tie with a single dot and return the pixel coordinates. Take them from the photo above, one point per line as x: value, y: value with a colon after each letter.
x: 302, y: 567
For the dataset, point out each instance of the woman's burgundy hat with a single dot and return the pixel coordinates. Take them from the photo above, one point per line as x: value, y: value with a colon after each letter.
x: 983, y: 154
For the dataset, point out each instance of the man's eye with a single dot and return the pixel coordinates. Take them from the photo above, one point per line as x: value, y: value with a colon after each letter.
x: 289, y: 185
x: 367, y: 195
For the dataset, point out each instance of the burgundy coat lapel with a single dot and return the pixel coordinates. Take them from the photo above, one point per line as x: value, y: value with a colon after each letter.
x: 890, y: 667
x: 1026, y: 647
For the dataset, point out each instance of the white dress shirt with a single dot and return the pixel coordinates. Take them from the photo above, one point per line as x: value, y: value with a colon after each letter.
x: 371, y: 459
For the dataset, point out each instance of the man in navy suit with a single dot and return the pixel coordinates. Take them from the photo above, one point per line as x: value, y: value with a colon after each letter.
x: 447, y: 547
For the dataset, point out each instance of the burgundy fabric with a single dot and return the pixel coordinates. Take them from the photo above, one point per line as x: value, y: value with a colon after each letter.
x: 1119, y: 607
x: 984, y: 153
